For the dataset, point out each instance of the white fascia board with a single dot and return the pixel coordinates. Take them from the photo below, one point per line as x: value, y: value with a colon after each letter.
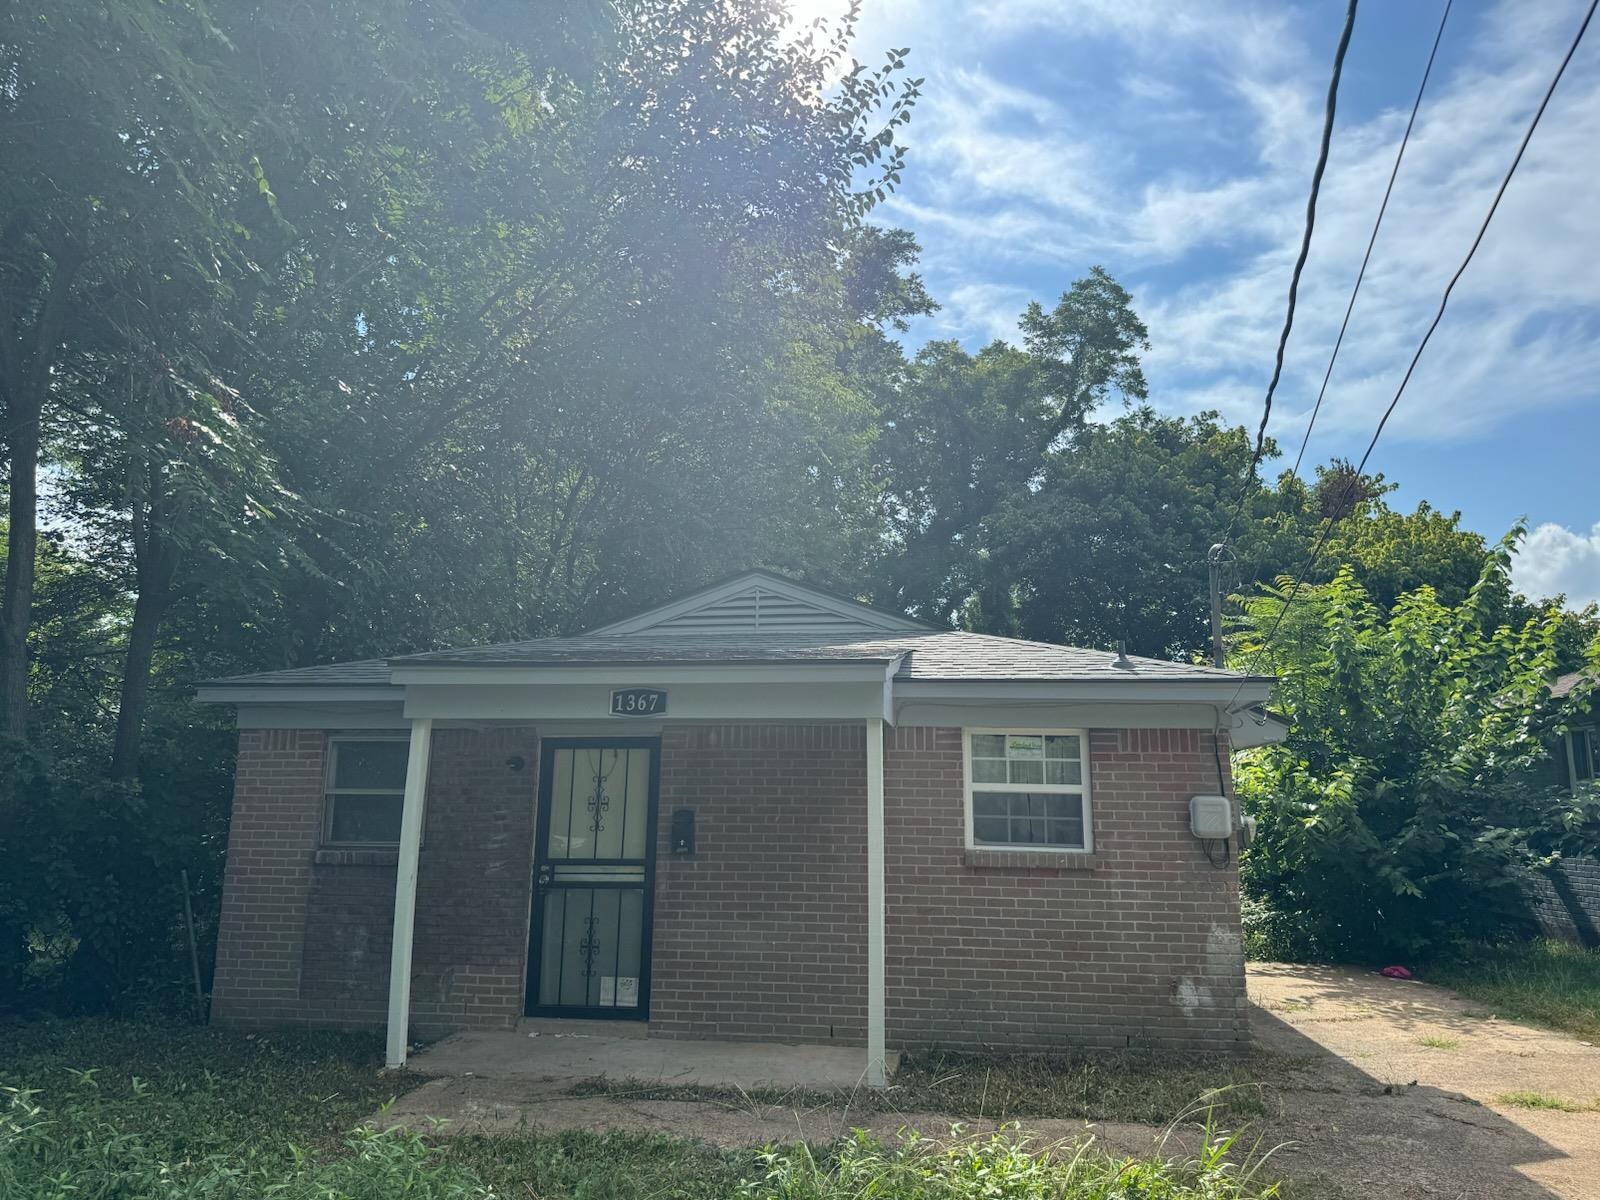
x: 645, y: 674
x: 778, y: 586
x: 350, y: 715
x: 833, y: 700
x: 244, y: 693
x: 1228, y: 692
x: 1056, y: 714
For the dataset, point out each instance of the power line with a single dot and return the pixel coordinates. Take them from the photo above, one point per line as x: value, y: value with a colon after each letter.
x: 1361, y: 274
x: 1300, y: 262
x: 1372, y: 241
x: 1438, y: 316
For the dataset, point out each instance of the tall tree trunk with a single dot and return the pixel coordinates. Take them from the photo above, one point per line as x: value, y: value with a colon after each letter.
x: 24, y: 411
x: 22, y: 544
x: 157, y: 567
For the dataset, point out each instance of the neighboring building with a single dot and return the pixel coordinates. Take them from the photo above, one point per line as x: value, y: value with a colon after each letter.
x: 758, y: 812
x: 1567, y: 896
x: 1580, y: 747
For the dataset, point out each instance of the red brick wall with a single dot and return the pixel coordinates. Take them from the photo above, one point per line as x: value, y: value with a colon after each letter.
x: 305, y: 936
x: 277, y: 815
x: 762, y: 932
x: 1136, y: 946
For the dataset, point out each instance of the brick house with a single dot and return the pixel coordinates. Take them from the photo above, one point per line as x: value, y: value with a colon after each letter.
x: 758, y: 812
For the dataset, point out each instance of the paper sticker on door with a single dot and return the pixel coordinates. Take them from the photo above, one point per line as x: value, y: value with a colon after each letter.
x: 619, y: 992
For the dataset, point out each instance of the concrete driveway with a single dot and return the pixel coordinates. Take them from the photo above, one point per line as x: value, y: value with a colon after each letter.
x: 1403, y: 1090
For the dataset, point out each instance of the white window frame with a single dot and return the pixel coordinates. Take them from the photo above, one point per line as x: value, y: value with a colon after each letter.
x: 1082, y: 790
x: 329, y: 792
x: 1568, y: 744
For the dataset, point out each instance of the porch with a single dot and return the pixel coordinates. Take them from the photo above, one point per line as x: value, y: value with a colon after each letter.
x: 569, y: 1052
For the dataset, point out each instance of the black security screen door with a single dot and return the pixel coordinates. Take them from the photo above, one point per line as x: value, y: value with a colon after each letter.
x: 593, y: 879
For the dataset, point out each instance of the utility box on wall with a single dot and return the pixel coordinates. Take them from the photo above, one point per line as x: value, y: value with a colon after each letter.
x: 1210, y: 817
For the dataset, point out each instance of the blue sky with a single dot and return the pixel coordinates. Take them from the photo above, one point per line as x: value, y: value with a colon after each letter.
x: 1172, y: 142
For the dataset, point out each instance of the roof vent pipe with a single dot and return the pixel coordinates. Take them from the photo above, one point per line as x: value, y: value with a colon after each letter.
x: 1122, y: 655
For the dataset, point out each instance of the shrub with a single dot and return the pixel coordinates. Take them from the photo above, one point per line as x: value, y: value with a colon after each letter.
x: 1403, y: 813
x: 1004, y: 1167
x: 91, y: 899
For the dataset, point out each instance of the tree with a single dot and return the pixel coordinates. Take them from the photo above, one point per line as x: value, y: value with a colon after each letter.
x: 1110, y: 546
x: 1403, y: 810
x: 965, y: 434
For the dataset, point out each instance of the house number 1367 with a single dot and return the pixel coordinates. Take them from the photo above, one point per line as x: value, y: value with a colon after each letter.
x: 638, y: 702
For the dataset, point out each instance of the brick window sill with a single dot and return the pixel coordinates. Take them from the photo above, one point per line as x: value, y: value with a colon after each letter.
x: 357, y: 858
x: 1032, y: 860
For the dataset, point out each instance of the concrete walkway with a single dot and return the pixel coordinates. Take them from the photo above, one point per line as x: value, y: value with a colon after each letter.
x: 664, y: 1062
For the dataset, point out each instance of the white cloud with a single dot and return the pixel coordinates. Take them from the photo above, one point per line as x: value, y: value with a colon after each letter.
x: 1555, y: 560
x: 1188, y: 181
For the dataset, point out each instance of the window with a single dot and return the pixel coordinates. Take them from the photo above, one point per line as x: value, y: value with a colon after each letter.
x: 366, y: 791
x: 1028, y: 789
x: 1581, y: 744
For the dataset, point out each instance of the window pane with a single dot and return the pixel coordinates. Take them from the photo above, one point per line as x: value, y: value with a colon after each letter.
x: 1062, y: 747
x: 1027, y: 819
x: 1066, y: 833
x: 1583, y: 753
x: 1027, y: 772
x: 366, y: 819
x: 1063, y: 772
x: 989, y: 745
x: 377, y: 765
x: 989, y: 831
x: 988, y: 804
x: 988, y: 770
x: 1024, y: 745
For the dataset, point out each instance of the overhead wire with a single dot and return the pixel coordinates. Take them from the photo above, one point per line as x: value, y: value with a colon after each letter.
x: 1294, y: 593
x: 1330, y: 106
x: 1383, y: 208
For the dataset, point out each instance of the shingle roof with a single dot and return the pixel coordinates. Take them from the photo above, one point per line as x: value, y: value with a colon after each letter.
x: 952, y: 656
x: 1566, y: 683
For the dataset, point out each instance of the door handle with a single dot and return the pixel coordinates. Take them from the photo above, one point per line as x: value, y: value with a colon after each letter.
x: 542, y: 880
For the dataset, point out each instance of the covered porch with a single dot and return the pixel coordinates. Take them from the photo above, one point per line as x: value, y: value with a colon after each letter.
x: 573, y: 1051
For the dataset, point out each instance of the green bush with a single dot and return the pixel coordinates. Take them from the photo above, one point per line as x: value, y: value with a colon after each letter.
x: 91, y: 906
x: 1004, y: 1167
x: 1404, y: 812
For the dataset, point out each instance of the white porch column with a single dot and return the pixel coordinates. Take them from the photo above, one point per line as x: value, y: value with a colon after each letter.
x: 405, y: 889
x: 876, y: 1075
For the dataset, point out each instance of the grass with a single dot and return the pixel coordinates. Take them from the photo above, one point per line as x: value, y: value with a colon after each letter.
x: 1146, y: 1088
x: 1545, y: 1100
x: 1435, y: 1042
x: 1550, y: 983
x: 112, y: 1109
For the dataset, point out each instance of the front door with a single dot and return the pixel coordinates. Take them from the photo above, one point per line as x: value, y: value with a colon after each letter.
x: 594, y: 876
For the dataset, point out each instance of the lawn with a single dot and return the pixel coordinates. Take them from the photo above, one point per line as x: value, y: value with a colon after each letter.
x: 117, y: 1111
x: 1547, y: 982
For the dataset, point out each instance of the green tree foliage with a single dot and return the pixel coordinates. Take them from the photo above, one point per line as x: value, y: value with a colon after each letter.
x: 964, y: 435
x: 1110, y: 546
x: 1405, y: 808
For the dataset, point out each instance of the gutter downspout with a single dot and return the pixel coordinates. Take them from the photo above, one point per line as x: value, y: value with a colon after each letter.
x: 876, y: 1075
x: 405, y: 891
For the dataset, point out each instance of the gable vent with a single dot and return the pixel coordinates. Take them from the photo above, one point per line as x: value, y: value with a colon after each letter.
x: 758, y: 610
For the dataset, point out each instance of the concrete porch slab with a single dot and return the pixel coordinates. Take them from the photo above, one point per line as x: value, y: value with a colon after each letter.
x: 541, y: 1055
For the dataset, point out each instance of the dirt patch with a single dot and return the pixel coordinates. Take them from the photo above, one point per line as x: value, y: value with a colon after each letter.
x: 1398, y: 1089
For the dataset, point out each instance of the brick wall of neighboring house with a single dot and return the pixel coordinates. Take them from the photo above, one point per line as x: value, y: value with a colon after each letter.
x: 1566, y: 900
x: 762, y: 932
x: 305, y: 934
x: 1137, y: 946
